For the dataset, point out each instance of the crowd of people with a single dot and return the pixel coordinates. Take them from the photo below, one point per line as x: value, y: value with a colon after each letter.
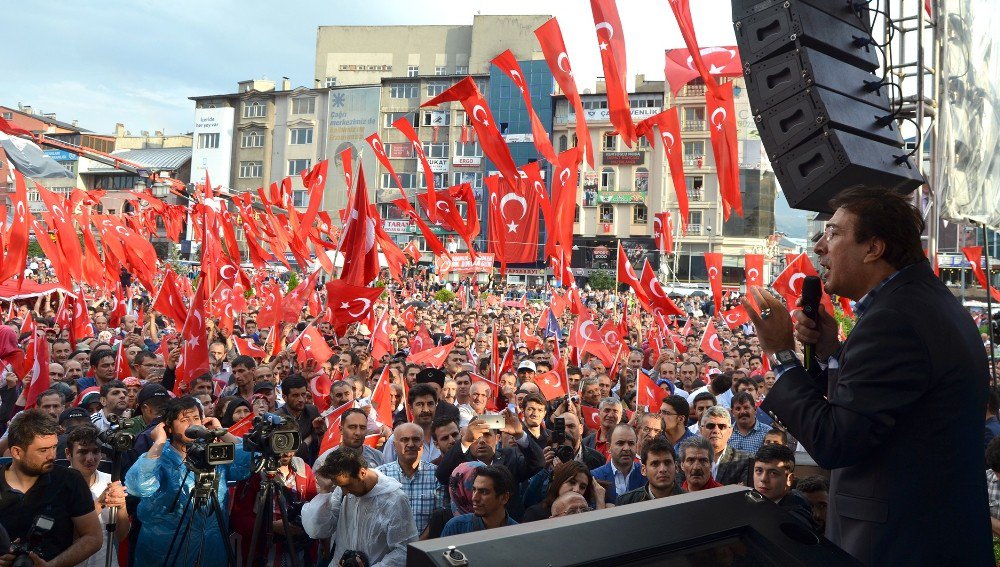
x: 466, y: 450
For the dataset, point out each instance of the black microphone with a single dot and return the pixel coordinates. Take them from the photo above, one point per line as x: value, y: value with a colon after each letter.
x: 199, y: 432
x: 812, y: 291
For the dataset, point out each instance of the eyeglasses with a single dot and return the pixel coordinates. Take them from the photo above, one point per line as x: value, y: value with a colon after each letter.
x: 653, y: 430
x: 665, y: 414
x: 720, y: 426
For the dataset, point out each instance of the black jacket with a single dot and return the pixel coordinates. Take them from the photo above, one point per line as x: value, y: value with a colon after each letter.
x: 899, y: 422
x: 642, y: 495
x: 522, y: 464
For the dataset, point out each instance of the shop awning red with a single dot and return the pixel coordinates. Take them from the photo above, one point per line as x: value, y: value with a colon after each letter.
x: 9, y: 291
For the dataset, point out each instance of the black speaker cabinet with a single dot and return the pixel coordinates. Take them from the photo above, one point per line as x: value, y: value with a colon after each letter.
x: 731, y: 525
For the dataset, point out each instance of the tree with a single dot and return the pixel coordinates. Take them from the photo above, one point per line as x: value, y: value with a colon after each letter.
x: 601, y: 280
x: 444, y: 296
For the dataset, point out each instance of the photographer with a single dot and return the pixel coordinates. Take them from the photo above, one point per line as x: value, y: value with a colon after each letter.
x: 31, y: 486
x: 162, y: 479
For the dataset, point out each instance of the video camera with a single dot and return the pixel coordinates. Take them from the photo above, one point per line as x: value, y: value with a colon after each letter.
x: 21, y: 550
x: 202, y: 454
x: 272, y: 436
x: 115, y: 437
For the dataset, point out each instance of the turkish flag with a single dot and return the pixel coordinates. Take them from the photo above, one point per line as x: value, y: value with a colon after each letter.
x: 668, y: 123
x: 81, y: 327
x: 550, y: 39
x: 710, y: 343
x: 974, y: 254
x: 659, y: 302
x: 412, y: 250
x: 611, y: 335
x: 404, y: 126
x: 60, y: 217
x: 357, y: 244
x: 663, y: 232
x: 753, y: 266
x: 529, y: 339
x: 533, y: 183
x: 118, y: 307
x: 39, y: 370
x: 722, y: 62
x: 315, y: 183
x: 611, y: 41
x: 649, y: 394
x: 513, y: 224
x: 626, y: 275
x: 477, y: 109
x: 15, y: 251
x: 722, y: 127
x: 682, y: 13
x: 446, y: 210
x: 381, y: 396
x: 122, y: 368
x: 507, y: 63
x: 422, y: 341
x: 169, y: 300
x: 564, y: 190
x: 410, y: 318
x: 551, y: 385
x: 713, y: 264
x: 380, y: 345
x: 735, y: 317
x: 310, y: 345
x: 789, y: 281
x: 349, y: 303
x: 592, y: 417
x: 93, y: 270
x: 272, y: 310
x: 586, y: 337
x: 194, y: 354
x: 243, y: 426
x: 247, y: 348
x: 434, y: 356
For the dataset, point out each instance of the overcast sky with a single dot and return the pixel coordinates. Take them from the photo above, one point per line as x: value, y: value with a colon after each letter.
x: 137, y: 62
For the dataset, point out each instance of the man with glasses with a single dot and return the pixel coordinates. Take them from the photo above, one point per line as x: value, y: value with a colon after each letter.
x: 675, y: 410
x: 148, y: 367
x: 649, y: 425
x: 569, y: 504
x: 731, y: 466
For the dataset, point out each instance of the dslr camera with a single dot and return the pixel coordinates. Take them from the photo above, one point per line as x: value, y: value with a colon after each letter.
x: 203, y: 455
x: 39, y: 529
x: 272, y: 436
x: 564, y: 452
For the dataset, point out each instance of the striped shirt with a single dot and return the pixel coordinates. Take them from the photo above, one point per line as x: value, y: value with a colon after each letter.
x: 423, y: 490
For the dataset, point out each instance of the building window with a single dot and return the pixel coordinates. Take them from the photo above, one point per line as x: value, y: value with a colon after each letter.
x: 694, y: 118
x: 250, y: 169
x: 331, y: 82
x: 254, y: 109
x: 409, y: 180
x: 301, y: 136
x: 694, y: 153
x: 595, y: 104
x: 641, y: 179
x: 436, y: 150
x: 8, y: 115
x: 607, y: 179
x: 304, y: 105
x: 412, y: 71
x: 695, y: 187
x: 440, y: 180
x: 436, y: 118
x: 462, y: 118
x: 576, y: 213
x: 253, y: 139
x: 300, y: 198
x: 563, y: 141
x: 609, y: 143
x: 403, y: 90
x: 208, y: 141
x: 297, y: 165
x: 391, y: 117
x: 434, y: 89
x: 607, y: 213
x: 473, y: 178
x: 440, y: 70
x: 639, y: 214
x: 461, y: 69
x: 642, y: 143
x: 468, y: 149
x: 645, y: 101
x: 694, y: 222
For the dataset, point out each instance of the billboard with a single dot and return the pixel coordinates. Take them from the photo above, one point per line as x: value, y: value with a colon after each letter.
x: 217, y: 161
x: 354, y: 116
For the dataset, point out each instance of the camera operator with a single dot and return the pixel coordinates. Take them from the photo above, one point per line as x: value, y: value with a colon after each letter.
x: 163, y: 481
x: 300, y: 487
x: 114, y: 402
x: 31, y: 486
x: 84, y: 454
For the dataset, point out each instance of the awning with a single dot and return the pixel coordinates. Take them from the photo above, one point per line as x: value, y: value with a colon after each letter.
x: 9, y: 291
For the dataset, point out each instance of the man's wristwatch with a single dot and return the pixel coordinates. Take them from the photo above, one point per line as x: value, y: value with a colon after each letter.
x: 784, y: 359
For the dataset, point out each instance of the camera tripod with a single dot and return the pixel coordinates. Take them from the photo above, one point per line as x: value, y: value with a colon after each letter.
x: 272, y: 492
x: 204, y: 496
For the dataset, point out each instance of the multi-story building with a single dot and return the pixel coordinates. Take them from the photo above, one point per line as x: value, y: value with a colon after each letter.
x: 615, y: 199
x: 413, y: 64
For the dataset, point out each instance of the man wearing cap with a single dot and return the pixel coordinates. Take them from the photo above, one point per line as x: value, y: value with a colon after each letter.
x: 150, y: 403
x: 526, y: 372
x: 435, y: 378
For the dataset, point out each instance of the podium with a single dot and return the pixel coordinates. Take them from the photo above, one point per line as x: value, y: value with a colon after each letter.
x: 727, y: 526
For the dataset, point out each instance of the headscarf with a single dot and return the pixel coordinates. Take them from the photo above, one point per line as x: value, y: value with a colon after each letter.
x: 227, y: 417
x: 10, y: 351
x: 460, y: 487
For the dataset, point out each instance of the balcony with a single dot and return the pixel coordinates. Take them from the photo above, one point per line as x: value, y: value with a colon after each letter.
x: 696, y: 195
x: 693, y: 125
x: 697, y: 160
x: 693, y: 90
x: 694, y: 230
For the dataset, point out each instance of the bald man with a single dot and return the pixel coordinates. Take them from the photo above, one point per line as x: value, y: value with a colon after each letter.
x: 417, y: 477
x: 569, y: 504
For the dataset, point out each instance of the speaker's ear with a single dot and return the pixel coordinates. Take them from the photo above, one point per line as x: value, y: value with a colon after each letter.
x: 824, y: 117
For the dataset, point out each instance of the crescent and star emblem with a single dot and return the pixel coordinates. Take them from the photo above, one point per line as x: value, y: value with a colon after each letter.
x: 793, y: 279
x: 611, y: 33
x: 720, y: 110
x: 559, y: 63
x: 475, y: 115
x: 753, y: 274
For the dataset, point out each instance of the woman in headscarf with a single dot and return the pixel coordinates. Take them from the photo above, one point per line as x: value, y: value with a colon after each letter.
x: 460, y: 495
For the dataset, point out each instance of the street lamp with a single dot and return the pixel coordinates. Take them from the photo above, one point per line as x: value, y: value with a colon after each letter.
x: 710, y: 237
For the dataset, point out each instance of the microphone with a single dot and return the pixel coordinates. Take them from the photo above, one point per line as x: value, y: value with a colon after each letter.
x: 199, y: 432
x: 272, y: 418
x: 812, y: 291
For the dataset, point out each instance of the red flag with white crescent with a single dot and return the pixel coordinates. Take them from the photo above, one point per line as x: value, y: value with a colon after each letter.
x: 626, y: 275
x: 194, y: 354
x: 660, y: 303
x: 663, y: 232
x: 551, y: 385
x: 243, y: 426
x: 404, y: 126
x: 735, y: 317
x: 310, y: 345
x: 550, y: 39
x: 713, y: 264
x: 649, y: 394
x: 380, y: 345
x: 710, y: 343
x: 753, y: 266
x: 611, y: 41
x: 721, y: 110
x: 434, y: 356
x: 507, y: 63
x: 349, y: 303
x: 422, y: 341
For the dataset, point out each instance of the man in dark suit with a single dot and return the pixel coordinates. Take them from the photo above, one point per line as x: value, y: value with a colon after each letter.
x: 907, y: 486
x: 479, y: 443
